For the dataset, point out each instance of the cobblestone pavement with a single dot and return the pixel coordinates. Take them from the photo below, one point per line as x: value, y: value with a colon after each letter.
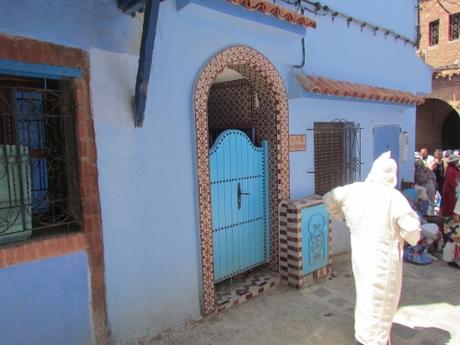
x: 429, y: 313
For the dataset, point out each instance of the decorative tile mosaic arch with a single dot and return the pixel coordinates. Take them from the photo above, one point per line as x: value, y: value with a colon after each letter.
x: 273, y: 126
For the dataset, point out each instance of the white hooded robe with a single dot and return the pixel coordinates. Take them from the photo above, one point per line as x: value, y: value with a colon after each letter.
x: 380, y: 219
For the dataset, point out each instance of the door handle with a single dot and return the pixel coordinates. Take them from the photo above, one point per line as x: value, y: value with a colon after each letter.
x: 239, y: 194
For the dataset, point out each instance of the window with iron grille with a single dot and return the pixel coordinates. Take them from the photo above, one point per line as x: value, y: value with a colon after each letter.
x: 39, y: 184
x: 337, y: 154
x: 454, y: 26
x: 434, y: 32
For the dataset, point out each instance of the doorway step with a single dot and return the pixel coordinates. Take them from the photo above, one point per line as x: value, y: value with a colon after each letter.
x: 245, y: 286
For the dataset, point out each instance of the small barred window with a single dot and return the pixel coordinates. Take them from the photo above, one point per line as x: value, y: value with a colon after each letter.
x: 337, y: 154
x: 39, y: 183
x: 434, y: 33
x: 454, y: 26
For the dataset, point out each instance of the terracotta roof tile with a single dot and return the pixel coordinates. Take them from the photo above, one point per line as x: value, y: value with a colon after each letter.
x: 340, y: 88
x: 276, y: 11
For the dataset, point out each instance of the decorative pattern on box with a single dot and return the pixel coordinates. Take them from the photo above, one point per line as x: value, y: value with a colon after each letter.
x: 293, y: 260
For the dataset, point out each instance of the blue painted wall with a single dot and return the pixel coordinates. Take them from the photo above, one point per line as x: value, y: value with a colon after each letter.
x: 83, y: 24
x: 396, y: 15
x: 304, y: 112
x: 147, y: 179
x: 46, y: 302
x: 151, y: 216
x: 343, y: 53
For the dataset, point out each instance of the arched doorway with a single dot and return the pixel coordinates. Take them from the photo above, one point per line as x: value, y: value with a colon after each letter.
x: 437, y: 125
x: 272, y: 126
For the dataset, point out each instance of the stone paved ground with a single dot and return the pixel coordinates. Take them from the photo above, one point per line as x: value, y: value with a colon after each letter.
x: 429, y: 313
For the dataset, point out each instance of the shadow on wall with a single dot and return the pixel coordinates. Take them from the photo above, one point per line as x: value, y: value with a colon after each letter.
x: 450, y: 131
x: 437, y: 126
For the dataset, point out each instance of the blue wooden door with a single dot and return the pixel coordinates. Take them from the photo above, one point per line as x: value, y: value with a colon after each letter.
x: 315, y: 238
x: 239, y: 202
x: 386, y: 138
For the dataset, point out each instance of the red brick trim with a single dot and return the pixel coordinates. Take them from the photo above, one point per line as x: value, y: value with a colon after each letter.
x: 32, y: 51
x: 41, y: 248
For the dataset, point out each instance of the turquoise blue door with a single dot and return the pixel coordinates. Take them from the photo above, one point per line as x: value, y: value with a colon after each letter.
x: 386, y: 138
x: 239, y: 202
x: 315, y: 241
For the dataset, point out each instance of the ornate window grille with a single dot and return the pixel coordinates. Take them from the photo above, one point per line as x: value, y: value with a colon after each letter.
x: 337, y: 154
x: 454, y: 26
x: 434, y: 33
x: 39, y: 182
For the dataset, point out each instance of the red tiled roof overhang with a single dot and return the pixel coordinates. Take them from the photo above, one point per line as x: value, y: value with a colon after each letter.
x: 339, y: 88
x: 277, y: 11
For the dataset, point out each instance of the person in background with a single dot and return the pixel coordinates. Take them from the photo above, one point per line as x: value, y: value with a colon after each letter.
x: 426, y: 158
x: 451, y: 179
x: 446, y: 154
x: 380, y: 219
x: 425, y: 177
x: 438, y: 169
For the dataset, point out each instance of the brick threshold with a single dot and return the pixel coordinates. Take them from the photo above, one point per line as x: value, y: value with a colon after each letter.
x: 244, y: 287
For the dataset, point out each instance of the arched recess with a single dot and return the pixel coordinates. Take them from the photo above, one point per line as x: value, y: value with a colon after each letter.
x: 450, y: 131
x: 431, y: 122
x: 273, y: 127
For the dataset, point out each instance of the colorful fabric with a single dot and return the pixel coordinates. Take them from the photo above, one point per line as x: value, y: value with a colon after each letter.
x: 451, y: 234
x: 417, y: 255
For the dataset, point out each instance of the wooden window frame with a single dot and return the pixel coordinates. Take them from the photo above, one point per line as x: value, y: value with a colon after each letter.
x: 431, y: 37
x: 452, y: 17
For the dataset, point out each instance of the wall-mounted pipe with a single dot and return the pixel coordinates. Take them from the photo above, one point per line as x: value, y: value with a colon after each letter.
x: 152, y: 9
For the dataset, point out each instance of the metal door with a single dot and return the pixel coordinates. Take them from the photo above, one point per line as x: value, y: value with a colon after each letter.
x: 315, y: 238
x: 239, y: 202
x: 386, y: 138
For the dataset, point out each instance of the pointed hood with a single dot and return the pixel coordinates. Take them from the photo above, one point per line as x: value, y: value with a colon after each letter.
x: 384, y: 170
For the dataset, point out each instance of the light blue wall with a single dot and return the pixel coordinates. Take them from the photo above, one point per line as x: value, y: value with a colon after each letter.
x: 147, y: 176
x: 148, y: 182
x: 343, y: 53
x: 305, y: 112
x: 46, y: 302
x: 396, y: 15
x: 83, y: 23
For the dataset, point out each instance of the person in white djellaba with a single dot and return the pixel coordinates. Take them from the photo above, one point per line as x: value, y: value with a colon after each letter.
x: 380, y: 219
